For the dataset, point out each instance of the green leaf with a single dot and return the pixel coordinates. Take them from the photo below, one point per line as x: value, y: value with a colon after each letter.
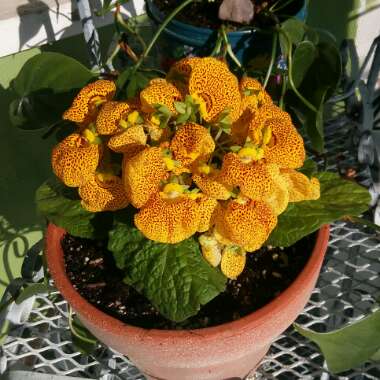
x: 235, y: 148
x: 312, y: 35
x: 180, y: 107
x: 33, y: 289
x: 318, y: 84
x: 125, y: 240
x: 339, y: 198
x: 123, y: 78
x: 40, y: 109
x: 182, y: 118
x: 162, y: 109
x: 61, y: 206
x: 83, y: 340
x: 303, y: 58
x: 52, y: 71
x: 45, y: 87
x: 350, y: 346
x: 309, y: 168
x: 295, y: 30
x: 174, y: 277
x: 132, y: 88
x: 142, y: 80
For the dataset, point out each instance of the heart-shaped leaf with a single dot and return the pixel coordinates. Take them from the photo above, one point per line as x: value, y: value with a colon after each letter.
x: 51, y: 71
x: 304, y: 55
x: 349, y: 346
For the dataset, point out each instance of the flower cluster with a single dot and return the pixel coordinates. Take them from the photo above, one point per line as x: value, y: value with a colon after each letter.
x: 202, y: 153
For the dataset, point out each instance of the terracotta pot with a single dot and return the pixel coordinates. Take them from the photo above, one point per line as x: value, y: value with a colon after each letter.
x: 227, y: 351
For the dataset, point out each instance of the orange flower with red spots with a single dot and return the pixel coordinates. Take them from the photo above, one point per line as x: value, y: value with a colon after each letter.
x: 197, y: 153
x: 85, y: 105
x: 74, y: 160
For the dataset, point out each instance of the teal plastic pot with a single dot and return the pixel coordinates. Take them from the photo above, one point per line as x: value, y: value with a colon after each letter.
x: 181, y: 39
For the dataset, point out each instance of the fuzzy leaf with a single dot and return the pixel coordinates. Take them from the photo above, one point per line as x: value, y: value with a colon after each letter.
x: 61, y: 206
x: 339, y: 198
x: 174, y: 277
x: 349, y: 346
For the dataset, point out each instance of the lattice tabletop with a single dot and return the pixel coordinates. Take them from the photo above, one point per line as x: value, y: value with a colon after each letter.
x: 347, y: 289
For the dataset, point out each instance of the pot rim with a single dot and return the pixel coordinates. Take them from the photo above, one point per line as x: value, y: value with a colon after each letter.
x: 55, y: 261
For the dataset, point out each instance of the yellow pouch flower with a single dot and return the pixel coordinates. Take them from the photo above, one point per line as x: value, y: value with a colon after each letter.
x: 168, y: 220
x: 192, y: 142
x: 142, y: 175
x: 160, y: 92
x: 84, y: 106
x: 207, y: 209
x: 74, y: 160
x: 211, y: 80
x: 103, y: 193
x: 247, y: 225
x: 233, y: 261
x: 109, y: 116
x: 128, y: 141
x: 253, y: 93
x: 300, y: 187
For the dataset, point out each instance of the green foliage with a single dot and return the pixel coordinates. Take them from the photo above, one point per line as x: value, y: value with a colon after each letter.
x: 130, y: 82
x: 45, y: 87
x: 349, y: 346
x: 83, y: 340
x: 316, y: 72
x: 339, y: 198
x: 163, y: 114
x: 32, y: 290
x: 54, y: 71
x: 304, y: 56
x: 174, y: 277
x: 187, y: 110
x: 295, y: 29
x: 61, y: 206
x: 309, y: 168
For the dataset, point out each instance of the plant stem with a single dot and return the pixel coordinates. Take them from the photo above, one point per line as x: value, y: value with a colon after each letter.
x: 229, y: 48
x: 290, y: 75
x: 283, y: 90
x: 272, y: 58
x: 159, y: 31
x: 218, y: 44
x: 120, y: 20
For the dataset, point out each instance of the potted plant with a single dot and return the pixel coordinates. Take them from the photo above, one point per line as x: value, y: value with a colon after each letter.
x: 246, y: 24
x: 187, y: 227
x: 161, y: 197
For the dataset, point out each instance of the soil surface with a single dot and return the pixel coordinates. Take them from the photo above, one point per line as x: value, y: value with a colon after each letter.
x: 92, y: 271
x: 205, y: 13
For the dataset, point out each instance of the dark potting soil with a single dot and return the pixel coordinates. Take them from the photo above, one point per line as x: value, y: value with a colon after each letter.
x: 205, y: 13
x: 92, y: 271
